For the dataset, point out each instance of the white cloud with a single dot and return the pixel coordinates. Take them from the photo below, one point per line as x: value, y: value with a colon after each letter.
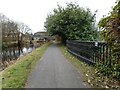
x: 34, y: 12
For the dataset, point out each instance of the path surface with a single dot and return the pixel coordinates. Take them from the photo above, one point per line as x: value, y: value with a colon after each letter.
x: 54, y: 71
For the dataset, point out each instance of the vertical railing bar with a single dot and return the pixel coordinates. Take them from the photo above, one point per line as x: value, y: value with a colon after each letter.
x: 95, y: 53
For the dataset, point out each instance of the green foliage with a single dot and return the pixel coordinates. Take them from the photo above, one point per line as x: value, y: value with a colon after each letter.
x: 103, y: 22
x: 110, y: 71
x: 111, y: 25
x: 111, y: 33
x: 71, y: 22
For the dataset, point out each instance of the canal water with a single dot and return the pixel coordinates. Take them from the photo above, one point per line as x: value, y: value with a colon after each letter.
x: 11, y: 54
x: 26, y: 50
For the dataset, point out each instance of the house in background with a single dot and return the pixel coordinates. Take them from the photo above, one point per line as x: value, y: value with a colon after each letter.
x: 40, y: 38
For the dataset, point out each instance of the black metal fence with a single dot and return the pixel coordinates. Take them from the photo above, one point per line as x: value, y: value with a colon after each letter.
x: 91, y: 52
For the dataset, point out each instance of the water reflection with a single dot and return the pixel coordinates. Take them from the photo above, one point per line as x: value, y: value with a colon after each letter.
x: 27, y: 50
x: 11, y: 54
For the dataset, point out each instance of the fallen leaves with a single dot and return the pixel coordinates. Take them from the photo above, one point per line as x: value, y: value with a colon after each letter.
x: 89, y: 81
x: 91, y: 74
x: 86, y: 75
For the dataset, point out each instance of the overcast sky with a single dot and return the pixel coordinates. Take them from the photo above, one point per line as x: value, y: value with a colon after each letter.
x: 33, y: 12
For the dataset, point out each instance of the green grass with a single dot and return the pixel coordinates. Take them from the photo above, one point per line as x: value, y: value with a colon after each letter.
x: 16, y: 75
x: 89, y: 73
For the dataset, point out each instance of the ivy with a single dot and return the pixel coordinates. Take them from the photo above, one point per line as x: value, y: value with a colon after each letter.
x: 110, y: 26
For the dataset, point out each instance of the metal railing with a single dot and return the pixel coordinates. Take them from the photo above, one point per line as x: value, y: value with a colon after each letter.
x: 90, y: 51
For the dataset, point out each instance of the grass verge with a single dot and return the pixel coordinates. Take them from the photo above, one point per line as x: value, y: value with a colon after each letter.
x: 16, y: 75
x: 89, y: 73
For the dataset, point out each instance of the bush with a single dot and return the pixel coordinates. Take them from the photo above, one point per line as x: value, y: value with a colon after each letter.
x: 110, y: 71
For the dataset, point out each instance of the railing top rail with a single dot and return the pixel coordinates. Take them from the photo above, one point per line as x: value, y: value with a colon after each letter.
x: 78, y: 41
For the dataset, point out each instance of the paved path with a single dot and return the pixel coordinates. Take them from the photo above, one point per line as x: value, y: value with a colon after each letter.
x: 54, y: 71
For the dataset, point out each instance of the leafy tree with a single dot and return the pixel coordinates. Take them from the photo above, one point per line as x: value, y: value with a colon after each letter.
x: 71, y: 23
x: 111, y: 27
x: 111, y: 33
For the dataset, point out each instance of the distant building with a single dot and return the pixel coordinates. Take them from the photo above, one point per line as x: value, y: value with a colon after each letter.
x: 41, y: 36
